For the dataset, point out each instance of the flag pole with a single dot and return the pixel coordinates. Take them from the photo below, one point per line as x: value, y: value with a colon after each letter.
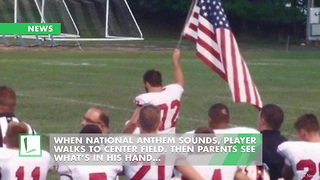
x: 185, y: 23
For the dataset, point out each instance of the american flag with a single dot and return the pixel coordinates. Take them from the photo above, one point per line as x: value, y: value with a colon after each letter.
x: 216, y: 46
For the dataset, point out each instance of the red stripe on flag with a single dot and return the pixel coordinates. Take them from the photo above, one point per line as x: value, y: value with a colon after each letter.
x: 190, y: 38
x: 209, y: 49
x: 213, y: 67
x: 246, y: 82
x: 257, y: 103
x: 193, y: 27
x: 223, y: 50
x: 235, y: 70
x: 207, y: 32
x: 195, y: 14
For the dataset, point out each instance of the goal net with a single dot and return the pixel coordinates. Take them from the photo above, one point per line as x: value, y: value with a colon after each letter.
x: 46, y: 11
x: 80, y: 19
x: 104, y: 20
x: 6, y: 11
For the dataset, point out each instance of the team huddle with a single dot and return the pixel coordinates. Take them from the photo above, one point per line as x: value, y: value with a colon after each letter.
x: 157, y: 112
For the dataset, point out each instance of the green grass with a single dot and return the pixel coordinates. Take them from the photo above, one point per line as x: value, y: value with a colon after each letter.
x: 55, y: 88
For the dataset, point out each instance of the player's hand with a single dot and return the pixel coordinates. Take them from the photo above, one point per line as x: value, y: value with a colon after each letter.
x: 176, y: 56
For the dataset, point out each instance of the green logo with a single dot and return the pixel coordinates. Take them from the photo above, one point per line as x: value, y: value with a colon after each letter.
x: 30, y: 145
x: 26, y: 145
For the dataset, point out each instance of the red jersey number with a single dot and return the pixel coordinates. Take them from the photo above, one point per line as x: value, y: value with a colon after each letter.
x: 35, y: 174
x: 216, y: 175
x: 174, y: 106
x: 98, y: 176
x: 144, y: 170
x: 312, y: 168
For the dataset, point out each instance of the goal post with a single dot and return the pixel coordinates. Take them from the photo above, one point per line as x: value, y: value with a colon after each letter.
x: 50, y: 11
x: 117, y: 11
x: 103, y: 20
x: 81, y: 20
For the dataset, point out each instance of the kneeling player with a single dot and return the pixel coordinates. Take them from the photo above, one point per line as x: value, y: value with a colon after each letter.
x: 215, y: 172
x: 12, y: 165
x: 302, y: 158
x: 148, y: 121
x: 73, y: 172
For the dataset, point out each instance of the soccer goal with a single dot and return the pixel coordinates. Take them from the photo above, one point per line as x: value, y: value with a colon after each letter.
x: 46, y: 11
x: 103, y: 20
x: 81, y: 20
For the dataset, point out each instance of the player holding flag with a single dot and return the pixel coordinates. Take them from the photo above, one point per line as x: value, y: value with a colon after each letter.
x: 166, y: 98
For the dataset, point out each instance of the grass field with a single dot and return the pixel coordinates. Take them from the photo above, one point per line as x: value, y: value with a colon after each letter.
x: 55, y: 88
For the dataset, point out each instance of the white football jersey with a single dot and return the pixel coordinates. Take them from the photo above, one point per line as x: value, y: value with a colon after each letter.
x: 148, y: 172
x: 256, y: 172
x: 222, y: 172
x: 13, y: 167
x: 168, y: 102
x: 216, y: 172
x: 89, y: 172
x: 303, y: 157
x: 4, y: 120
x: 237, y: 130
x: 190, y: 132
x: 152, y: 172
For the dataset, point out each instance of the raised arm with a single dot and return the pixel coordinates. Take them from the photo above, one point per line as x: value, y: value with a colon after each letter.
x: 177, y: 71
x: 132, y: 124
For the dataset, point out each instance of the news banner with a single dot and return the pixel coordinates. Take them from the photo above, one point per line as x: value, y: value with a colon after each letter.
x: 30, y: 28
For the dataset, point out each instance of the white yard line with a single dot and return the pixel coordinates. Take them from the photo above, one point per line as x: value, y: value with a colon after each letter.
x: 77, y: 102
x: 300, y: 107
x: 91, y: 65
x: 61, y: 72
x: 265, y: 64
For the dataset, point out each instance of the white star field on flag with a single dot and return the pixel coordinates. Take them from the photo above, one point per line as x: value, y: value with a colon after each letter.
x: 213, y: 12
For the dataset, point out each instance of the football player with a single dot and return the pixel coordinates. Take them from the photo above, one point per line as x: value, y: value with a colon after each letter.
x: 148, y: 121
x: 217, y: 172
x: 302, y: 158
x: 166, y: 98
x: 12, y: 166
x: 219, y: 121
x: 73, y: 172
x: 7, y: 108
x: 98, y: 117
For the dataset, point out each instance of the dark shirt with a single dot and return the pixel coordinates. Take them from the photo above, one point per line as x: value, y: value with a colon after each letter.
x: 270, y: 141
x: 6, y: 117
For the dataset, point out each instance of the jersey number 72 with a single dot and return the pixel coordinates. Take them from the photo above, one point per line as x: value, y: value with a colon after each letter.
x: 174, y: 108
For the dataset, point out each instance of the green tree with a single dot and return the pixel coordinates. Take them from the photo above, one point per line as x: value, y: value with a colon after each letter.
x: 163, y: 5
x: 262, y: 17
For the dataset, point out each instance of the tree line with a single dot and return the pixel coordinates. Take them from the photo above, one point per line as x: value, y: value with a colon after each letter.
x: 265, y: 18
